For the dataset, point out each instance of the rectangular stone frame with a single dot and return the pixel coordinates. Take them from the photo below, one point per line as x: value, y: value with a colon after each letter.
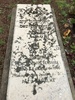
x: 4, y: 83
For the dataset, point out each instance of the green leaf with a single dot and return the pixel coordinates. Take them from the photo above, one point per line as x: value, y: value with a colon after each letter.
x: 73, y: 0
x: 72, y: 20
x: 64, y: 13
x: 34, y: 1
x: 2, y: 42
x: 72, y: 46
x: 46, y: 1
x: 73, y: 62
x: 1, y: 30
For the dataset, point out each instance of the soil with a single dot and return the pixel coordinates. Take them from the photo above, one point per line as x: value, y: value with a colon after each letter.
x: 5, y: 18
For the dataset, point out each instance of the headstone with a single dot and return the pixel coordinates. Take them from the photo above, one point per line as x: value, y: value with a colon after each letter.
x: 37, y: 70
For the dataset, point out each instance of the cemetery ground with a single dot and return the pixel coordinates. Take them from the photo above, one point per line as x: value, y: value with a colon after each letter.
x: 65, y: 27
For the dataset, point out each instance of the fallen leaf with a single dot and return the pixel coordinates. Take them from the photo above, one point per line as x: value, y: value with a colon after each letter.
x: 67, y: 32
x: 66, y: 25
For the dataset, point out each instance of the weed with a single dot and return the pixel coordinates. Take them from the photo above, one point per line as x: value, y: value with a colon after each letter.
x: 66, y: 40
x: 34, y: 1
x: 46, y: 1
x: 2, y: 42
x: 1, y: 30
x: 64, y: 13
x: 12, y: 6
x: 72, y: 20
x: 73, y: 62
x: 0, y: 11
x: 9, y: 16
x: 63, y: 21
x: 63, y: 5
x: 72, y: 46
x: 1, y: 58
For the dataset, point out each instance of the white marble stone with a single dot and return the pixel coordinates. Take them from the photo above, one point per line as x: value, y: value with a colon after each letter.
x: 37, y: 71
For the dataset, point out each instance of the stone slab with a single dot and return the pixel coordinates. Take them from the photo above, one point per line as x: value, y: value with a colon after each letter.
x: 37, y: 66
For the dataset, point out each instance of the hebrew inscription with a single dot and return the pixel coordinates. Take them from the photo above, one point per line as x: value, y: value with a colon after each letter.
x: 36, y: 69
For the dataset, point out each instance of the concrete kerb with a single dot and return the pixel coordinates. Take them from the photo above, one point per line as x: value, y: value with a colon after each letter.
x: 64, y: 56
x: 8, y: 56
x: 4, y: 82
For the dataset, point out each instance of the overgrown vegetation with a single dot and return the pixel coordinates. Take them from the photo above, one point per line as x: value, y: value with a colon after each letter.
x: 63, y: 6
x: 67, y: 10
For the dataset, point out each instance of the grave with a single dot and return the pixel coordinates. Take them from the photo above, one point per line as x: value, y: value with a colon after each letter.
x: 38, y: 66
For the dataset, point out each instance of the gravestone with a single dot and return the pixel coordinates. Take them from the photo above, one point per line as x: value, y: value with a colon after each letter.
x: 37, y: 69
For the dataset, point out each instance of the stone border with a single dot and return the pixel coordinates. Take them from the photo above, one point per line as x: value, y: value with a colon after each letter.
x: 64, y: 56
x: 4, y: 82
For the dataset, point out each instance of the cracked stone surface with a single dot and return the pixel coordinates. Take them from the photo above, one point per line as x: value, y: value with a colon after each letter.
x: 37, y: 71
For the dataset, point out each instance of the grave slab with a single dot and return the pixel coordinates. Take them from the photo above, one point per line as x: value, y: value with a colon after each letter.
x: 37, y: 67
